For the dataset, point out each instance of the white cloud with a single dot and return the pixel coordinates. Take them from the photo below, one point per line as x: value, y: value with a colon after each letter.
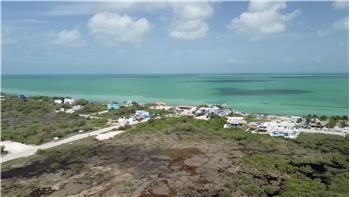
x: 263, y: 18
x: 233, y: 60
x: 113, y: 29
x: 67, y: 38
x: 338, y: 25
x: 6, y: 37
x: 86, y: 8
x: 340, y: 4
x: 289, y: 60
x: 188, y: 18
x: 341, y: 24
x: 322, y: 33
x: 189, y: 21
x: 316, y: 58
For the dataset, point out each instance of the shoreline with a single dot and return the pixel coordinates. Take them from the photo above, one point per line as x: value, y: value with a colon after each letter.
x: 176, y: 102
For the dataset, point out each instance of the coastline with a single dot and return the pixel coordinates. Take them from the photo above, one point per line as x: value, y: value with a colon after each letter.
x: 329, y: 110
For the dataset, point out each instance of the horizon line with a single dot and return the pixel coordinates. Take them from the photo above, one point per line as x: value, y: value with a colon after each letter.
x: 194, y: 73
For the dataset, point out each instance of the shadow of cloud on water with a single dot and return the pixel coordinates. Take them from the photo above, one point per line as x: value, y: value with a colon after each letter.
x: 232, y: 81
x: 259, y: 92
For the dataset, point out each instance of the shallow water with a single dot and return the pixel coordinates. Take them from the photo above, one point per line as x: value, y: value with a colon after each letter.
x: 276, y: 94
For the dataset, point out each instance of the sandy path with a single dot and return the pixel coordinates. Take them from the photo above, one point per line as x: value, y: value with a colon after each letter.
x: 18, y: 150
x: 106, y: 136
x: 324, y: 132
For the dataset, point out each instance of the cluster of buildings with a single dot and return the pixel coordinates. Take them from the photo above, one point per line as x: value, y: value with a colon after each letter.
x: 275, y: 129
x: 287, y: 128
x: 161, y: 106
x: 203, y: 112
x: 116, y: 106
x: 321, y: 125
x: 113, y: 106
x: 139, y: 116
x: 66, y: 100
x: 235, y: 122
x: 70, y: 101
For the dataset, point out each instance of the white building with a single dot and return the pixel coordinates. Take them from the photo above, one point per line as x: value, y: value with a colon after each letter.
x: 60, y: 110
x: 284, y: 129
x: 128, y: 103
x: 68, y: 100
x: 185, y: 110
x: 235, y: 122
x: 161, y: 106
x: 296, y: 119
x: 77, y: 107
x: 58, y: 101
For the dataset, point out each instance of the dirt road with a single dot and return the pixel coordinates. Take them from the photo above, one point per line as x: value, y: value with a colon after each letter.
x: 30, y: 150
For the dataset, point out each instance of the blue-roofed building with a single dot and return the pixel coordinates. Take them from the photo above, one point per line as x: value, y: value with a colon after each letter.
x: 128, y: 103
x: 22, y: 97
x: 113, y: 106
x: 143, y: 115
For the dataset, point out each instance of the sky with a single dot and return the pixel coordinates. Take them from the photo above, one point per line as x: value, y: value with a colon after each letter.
x: 174, y: 37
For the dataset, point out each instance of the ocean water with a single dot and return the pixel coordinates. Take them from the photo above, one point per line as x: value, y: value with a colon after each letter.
x: 274, y: 94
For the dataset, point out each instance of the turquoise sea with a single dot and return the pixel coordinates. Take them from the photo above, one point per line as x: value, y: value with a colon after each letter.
x: 275, y: 94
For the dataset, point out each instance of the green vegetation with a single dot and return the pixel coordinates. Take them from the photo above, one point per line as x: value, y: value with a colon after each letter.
x: 123, y: 111
x: 184, y: 124
x: 127, y: 111
x: 255, y: 164
x: 254, y: 118
x: 312, y: 165
x: 91, y: 107
x: 332, y: 121
x: 34, y: 120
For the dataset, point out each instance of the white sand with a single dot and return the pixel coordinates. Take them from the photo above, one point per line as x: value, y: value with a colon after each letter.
x: 18, y: 150
x: 16, y: 147
x: 105, y: 136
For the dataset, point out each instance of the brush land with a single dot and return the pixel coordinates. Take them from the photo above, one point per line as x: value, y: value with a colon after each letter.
x: 185, y: 157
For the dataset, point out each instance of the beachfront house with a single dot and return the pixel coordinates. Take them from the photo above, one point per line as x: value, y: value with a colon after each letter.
x: 259, y: 127
x: 263, y: 127
x: 22, y: 97
x: 161, y: 106
x: 60, y: 110
x: 128, y: 103
x: 235, y: 122
x: 129, y: 121
x: 296, y: 119
x: 212, y: 110
x: 224, y: 112
x: 68, y: 100
x: 284, y: 130
x: 58, y: 101
x: 185, y: 110
x: 201, y: 111
x: 77, y: 107
x: 142, y: 115
x: 113, y: 106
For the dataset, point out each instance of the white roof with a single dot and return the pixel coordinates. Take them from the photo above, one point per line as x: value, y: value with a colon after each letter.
x: 236, y: 120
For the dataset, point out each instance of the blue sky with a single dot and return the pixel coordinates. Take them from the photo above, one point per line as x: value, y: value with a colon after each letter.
x: 168, y: 37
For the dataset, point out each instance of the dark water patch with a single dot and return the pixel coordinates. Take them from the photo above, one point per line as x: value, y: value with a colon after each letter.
x: 260, y: 92
x: 312, y: 105
x: 233, y: 81
x: 309, y: 76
